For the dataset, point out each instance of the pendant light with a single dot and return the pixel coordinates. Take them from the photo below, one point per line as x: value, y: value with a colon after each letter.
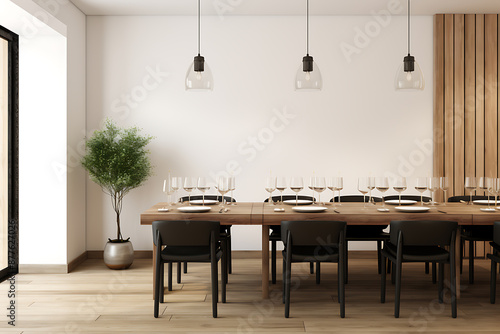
x: 409, y: 74
x: 308, y: 76
x: 199, y: 76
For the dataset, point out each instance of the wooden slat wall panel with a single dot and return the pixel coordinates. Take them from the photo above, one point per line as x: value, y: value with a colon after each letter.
x: 480, y: 95
x: 470, y: 95
x: 459, y: 116
x: 439, y: 98
x: 448, y: 99
x: 490, y: 94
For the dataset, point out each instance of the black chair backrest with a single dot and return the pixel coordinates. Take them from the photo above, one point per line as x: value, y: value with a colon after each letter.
x: 355, y: 199
x: 185, y: 232
x: 496, y: 233
x: 313, y: 232
x: 407, y: 197
x: 455, y: 199
x: 210, y: 197
x: 423, y: 232
x: 289, y: 198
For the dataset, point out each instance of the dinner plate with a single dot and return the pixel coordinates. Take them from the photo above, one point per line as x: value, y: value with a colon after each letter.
x: 403, y: 202
x: 412, y: 208
x: 309, y: 208
x: 488, y: 209
x: 299, y: 202
x: 484, y: 201
x: 200, y: 202
x: 189, y: 209
x: 163, y: 210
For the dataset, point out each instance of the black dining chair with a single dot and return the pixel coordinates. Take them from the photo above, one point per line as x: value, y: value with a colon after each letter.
x: 225, y: 232
x: 313, y: 242
x: 362, y: 232
x: 471, y: 234
x: 275, y: 232
x: 495, y: 258
x: 421, y: 241
x: 188, y: 241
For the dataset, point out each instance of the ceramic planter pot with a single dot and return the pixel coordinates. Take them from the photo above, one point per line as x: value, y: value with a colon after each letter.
x: 118, y: 255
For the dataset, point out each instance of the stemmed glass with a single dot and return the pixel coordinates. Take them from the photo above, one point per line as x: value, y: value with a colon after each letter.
x: 484, y: 184
x: 319, y: 186
x: 296, y: 185
x: 421, y: 187
x: 223, y: 188
x: 281, y: 186
x: 371, y: 186
x: 400, y: 186
x: 203, y: 186
x: 338, y: 185
x: 433, y: 185
x: 444, y: 184
x: 332, y: 186
x: 189, y: 185
x: 495, y: 189
x: 363, y: 188
x: 176, y: 185
x: 270, y: 187
x: 311, y: 186
x: 470, y: 185
x: 167, y: 189
x: 232, y: 187
x: 383, y: 186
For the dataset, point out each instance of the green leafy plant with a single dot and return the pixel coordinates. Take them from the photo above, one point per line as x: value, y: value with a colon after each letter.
x: 118, y: 161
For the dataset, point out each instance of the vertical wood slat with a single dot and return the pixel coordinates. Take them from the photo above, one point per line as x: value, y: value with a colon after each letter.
x: 498, y: 95
x: 470, y: 95
x: 439, y: 98
x: 490, y: 96
x: 448, y: 99
x: 480, y: 95
x: 458, y: 100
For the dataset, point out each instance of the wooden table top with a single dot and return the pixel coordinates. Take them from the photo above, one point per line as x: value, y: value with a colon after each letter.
x: 258, y: 213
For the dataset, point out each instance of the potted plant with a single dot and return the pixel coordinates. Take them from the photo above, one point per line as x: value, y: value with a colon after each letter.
x: 118, y: 161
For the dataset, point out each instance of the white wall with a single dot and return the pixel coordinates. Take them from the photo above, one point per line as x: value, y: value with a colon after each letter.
x: 358, y: 125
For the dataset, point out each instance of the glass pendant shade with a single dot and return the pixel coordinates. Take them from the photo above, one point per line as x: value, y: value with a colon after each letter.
x: 308, y: 80
x: 409, y: 79
x: 199, y: 80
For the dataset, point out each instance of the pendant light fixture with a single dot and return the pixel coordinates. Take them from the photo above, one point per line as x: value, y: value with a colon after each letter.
x: 409, y: 74
x: 199, y: 76
x: 308, y: 75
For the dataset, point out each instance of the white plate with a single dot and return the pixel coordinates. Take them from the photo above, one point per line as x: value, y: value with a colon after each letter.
x: 200, y: 202
x: 403, y: 202
x: 412, y: 208
x: 190, y: 209
x: 383, y: 209
x: 309, y: 208
x: 299, y: 202
x: 483, y: 201
x: 488, y: 209
x: 163, y: 210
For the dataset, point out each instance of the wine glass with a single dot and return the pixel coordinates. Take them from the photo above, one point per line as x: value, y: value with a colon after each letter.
x: 167, y: 189
x: 296, y: 185
x: 400, y: 186
x: 470, y: 185
x: 484, y: 184
x: 421, y: 187
x: 232, y: 187
x: 311, y: 186
x: 270, y: 187
x: 203, y: 186
x: 281, y: 186
x: 319, y: 186
x: 433, y: 185
x: 371, y: 186
x: 444, y: 184
x: 223, y: 187
x: 189, y: 185
x: 363, y: 188
x: 382, y: 186
x: 495, y: 189
x: 176, y: 185
x: 339, y: 185
x: 332, y: 186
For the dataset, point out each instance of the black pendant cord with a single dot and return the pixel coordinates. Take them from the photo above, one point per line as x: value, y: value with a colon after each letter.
x: 307, y: 28
x: 199, y: 30
x: 408, y: 26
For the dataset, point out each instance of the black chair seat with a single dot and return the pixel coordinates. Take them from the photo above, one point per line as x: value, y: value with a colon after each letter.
x: 419, y: 253
x: 188, y: 254
x: 303, y: 254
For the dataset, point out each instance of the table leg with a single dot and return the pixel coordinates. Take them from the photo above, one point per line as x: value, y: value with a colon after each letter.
x: 154, y: 269
x: 265, y: 262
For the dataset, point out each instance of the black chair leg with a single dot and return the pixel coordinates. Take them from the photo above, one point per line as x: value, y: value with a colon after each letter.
x: 179, y: 269
x: 224, y: 276
x: 471, y: 262
x: 441, y: 283
x: 341, y: 289
x: 229, y: 256
x: 393, y: 273
x: 379, y: 247
x: 493, y: 282
x: 453, y: 287
x: 397, y: 299
x: 311, y: 267
x: 434, y: 272
x: 461, y: 256
x: 383, y: 279
x: 169, y: 276
x: 273, y: 261
x: 185, y: 267
x: 389, y: 266
x: 346, y: 266
x: 157, y: 289
x: 225, y: 259
x: 162, y: 282
x: 283, y: 279
x: 318, y: 272
x: 288, y: 279
x: 215, y: 287
x: 427, y: 267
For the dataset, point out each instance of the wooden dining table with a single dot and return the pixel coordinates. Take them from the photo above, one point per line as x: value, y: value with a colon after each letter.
x: 263, y: 214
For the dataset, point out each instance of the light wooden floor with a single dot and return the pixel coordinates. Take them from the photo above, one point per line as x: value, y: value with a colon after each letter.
x: 94, y: 299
